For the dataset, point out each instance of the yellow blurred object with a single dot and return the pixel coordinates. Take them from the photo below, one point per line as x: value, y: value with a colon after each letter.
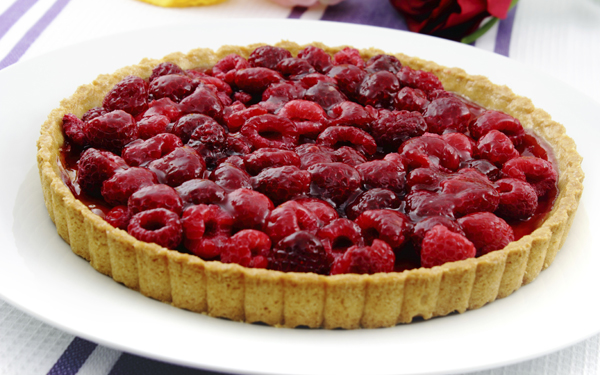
x: 181, y: 3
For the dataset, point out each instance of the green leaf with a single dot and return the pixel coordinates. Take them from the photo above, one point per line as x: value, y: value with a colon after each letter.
x: 484, y: 29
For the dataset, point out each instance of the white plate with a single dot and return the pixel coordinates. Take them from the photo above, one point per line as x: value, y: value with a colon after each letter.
x: 39, y: 273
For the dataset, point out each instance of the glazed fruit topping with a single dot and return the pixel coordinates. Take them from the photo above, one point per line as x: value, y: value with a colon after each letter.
x: 310, y: 163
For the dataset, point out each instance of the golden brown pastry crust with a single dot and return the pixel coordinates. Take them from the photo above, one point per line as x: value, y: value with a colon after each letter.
x: 303, y: 299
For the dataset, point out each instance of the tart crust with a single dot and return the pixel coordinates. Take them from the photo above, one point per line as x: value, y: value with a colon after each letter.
x: 303, y: 299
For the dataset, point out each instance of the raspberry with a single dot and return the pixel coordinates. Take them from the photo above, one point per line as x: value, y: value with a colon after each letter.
x: 392, y: 128
x: 538, y: 172
x: 226, y: 67
x: 464, y: 145
x: 376, y: 258
x: 447, y: 115
x: 440, y: 245
x: 178, y: 166
x: 471, y: 192
x: 373, y: 199
x: 428, y: 178
x: 299, y: 252
x: 111, y: 131
x: 338, y: 136
x: 348, y: 55
x: 389, y: 226
x: 278, y: 94
x: 203, y: 100
x: 206, y: 229
x: 386, y: 63
x: 238, y: 144
x: 186, y: 125
x: 200, y: 191
x: 117, y: 189
x: 378, y: 89
x: 311, y: 154
x: 95, y: 167
x: 348, y: 155
x: 339, y: 235
x: 350, y: 114
x: 496, y: 147
x: 164, y: 69
x: 158, y: 225
x: 422, y: 203
x: 382, y: 174
x: 518, y: 199
x: 429, y: 150
x: 249, y: 208
x: 282, y: 183
x: 289, y: 218
x: 423, y: 226
x: 73, y: 128
x: 309, y: 80
x: 322, y: 210
x: 268, y: 158
x: 155, y: 196
x: 334, y: 181
x: 486, y: 231
x: 348, y: 78
x: 256, y: 80
x: 419, y: 79
x: 309, y: 117
x: 318, y: 58
x: 129, y: 95
x: 163, y: 107
x: 292, y: 66
x: 118, y: 217
x: 236, y: 118
x: 249, y: 248
x: 270, y: 131
x: 494, y: 120
x: 172, y: 86
x: 208, y: 138
x: 93, y: 113
x: 140, y: 153
x: 153, y: 125
x: 231, y: 177
x: 324, y: 94
x: 268, y: 56
x: 410, y: 99
x: 483, y: 166
x: 221, y: 86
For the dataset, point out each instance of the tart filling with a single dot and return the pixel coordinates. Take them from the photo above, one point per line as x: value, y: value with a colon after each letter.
x: 309, y: 186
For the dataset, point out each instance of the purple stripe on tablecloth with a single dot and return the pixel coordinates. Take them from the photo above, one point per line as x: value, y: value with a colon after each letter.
x: 129, y: 364
x: 31, y: 36
x: 504, y: 34
x: 297, y: 12
x: 73, y: 357
x: 13, y: 14
x: 372, y: 12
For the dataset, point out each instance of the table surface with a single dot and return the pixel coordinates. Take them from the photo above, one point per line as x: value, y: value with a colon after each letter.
x: 560, y: 38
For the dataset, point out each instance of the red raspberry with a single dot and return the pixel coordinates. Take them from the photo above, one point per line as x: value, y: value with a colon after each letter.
x: 389, y: 226
x: 382, y: 174
x: 238, y: 144
x: 322, y: 210
x: 235, y: 119
x: 221, y: 86
x: 155, y: 196
x: 440, y: 245
x: 117, y: 189
x: 339, y: 235
x: 538, y: 172
x: 164, y: 69
x: 200, y: 191
x: 278, y: 94
x: 158, y: 225
x: 447, y: 115
x: 348, y: 78
x: 373, y: 199
x: 376, y: 258
x: 486, y: 231
x: 429, y: 150
x: 483, y: 166
x: 299, y: 252
x: 178, y: 166
x: 256, y: 80
x: 118, y: 217
x: 207, y: 139
x: 378, y: 89
x: 334, y: 181
x: 471, y: 192
x: 186, y: 125
x: 129, y: 95
x: 73, y: 128
x: 293, y: 66
x: 268, y: 158
x: 350, y: 156
x: 337, y: 136
x: 350, y: 114
x: 140, y: 153
x: 392, y: 128
x: 309, y: 80
x: 111, y: 131
x: 231, y: 177
x: 163, y: 107
x: 270, y: 131
x: 318, y: 58
x: 309, y: 117
x: 423, y: 203
x: 518, y: 199
x: 148, y: 127
x: 409, y: 99
x: 426, y: 178
x: 419, y: 79
x: 249, y: 208
x: 203, y: 100
x: 348, y: 55
x: 386, y: 63
x: 496, y: 147
x: 289, y: 218
x: 423, y: 226
x: 206, y: 229
x: 93, y: 113
x: 494, y: 120
x: 464, y: 145
x: 311, y: 154
x: 172, y: 86
x: 282, y: 183
x: 268, y: 56
x: 226, y: 67
x: 324, y: 94
x: 249, y: 248
x: 96, y: 166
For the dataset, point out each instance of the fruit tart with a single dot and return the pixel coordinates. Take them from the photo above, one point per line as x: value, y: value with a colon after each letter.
x: 308, y: 185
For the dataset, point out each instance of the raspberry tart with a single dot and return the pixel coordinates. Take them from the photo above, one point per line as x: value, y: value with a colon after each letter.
x: 308, y: 185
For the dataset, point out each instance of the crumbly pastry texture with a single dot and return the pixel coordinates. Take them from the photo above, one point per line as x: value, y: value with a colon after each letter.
x: 304, y: 299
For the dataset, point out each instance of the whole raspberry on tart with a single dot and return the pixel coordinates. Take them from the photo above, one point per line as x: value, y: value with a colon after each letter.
x: 281, y: 181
